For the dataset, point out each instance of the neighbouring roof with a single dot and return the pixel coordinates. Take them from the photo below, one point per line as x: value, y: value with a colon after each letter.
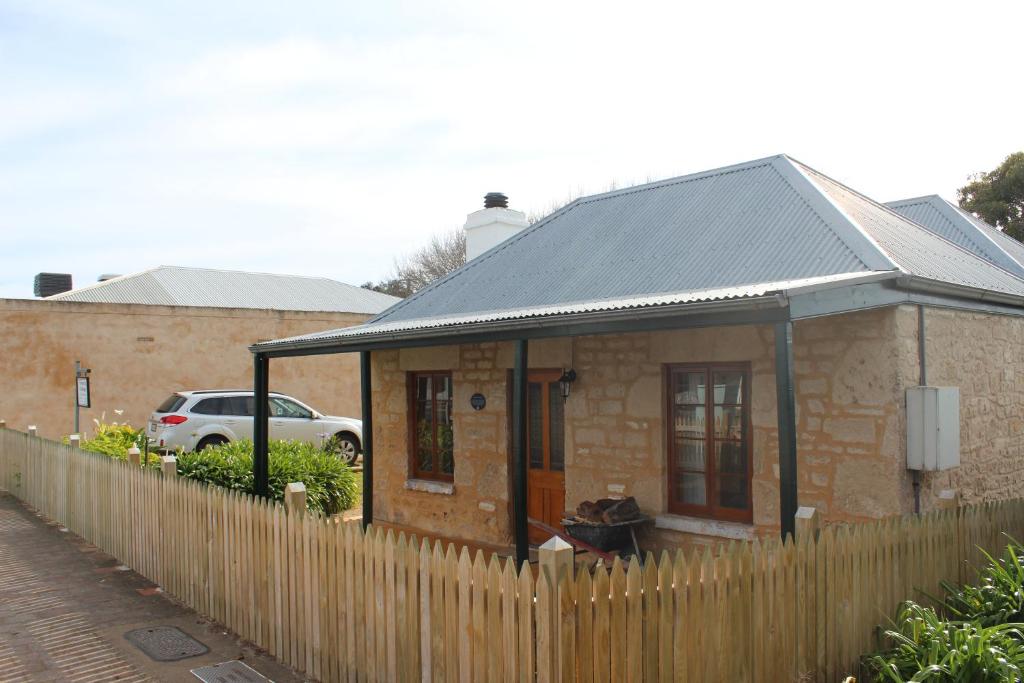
x: 743, y: 231
x: 971, y: 233
x: 204, y: 287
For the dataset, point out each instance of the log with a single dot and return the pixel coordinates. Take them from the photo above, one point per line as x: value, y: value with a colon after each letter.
x: 623, y: 511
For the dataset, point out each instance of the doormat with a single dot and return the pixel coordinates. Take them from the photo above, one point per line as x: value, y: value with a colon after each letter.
x: 166, y: 643
x: 229, y: 672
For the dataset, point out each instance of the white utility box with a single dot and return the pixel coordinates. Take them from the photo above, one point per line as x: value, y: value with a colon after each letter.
x: 933, y: 428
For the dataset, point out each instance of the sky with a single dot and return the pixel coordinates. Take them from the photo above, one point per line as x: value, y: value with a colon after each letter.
x: 328, y: 138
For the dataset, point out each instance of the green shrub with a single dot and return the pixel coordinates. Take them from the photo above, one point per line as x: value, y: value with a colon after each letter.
x: 114, y: 440
x: 999, y: 596
x: 928, y: 648
x: 330, y: 485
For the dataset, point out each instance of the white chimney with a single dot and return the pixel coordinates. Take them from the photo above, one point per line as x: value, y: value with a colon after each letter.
x: 492, y: 225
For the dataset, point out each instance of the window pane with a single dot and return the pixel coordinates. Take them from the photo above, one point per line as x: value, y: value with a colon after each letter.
x: 556, y: 427
x: 445, y: 449
x: 728, y: 387
x: 728, y: 422
x: 209, y: 406
x: 689, y: 387
x: 424, y: 434
x: 689, y: 422
x: 691, y: 488
x: 424, y: 391
x: 732, y: 492
x: 730, y: 457
x: 535, y: 406
x: 690, y: 454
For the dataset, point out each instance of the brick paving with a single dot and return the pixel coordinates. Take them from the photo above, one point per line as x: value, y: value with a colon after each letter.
x: 65, y: 607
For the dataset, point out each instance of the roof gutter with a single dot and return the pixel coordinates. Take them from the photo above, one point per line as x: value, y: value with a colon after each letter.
x: 507, y: 328
x: 920, y: 284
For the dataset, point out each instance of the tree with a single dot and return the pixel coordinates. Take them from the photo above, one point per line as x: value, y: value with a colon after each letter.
x: 998, y: 196
x: 445, y: 253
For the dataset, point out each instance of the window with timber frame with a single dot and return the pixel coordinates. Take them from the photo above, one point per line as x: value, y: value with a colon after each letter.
x: 709, y: 440
x: 431, y: 448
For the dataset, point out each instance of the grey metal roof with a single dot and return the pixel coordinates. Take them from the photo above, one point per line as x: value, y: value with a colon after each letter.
x: 740, y: 231
x: 179, y: 286
x: 973, y: 234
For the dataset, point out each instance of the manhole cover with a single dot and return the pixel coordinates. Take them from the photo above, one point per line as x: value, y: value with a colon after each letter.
x: 229, y: 672
x: 166, y: 643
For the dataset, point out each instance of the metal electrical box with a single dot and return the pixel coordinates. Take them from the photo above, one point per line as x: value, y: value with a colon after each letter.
x: 933, y: 428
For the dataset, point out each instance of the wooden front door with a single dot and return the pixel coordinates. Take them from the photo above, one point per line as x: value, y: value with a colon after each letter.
x: 545, y: 414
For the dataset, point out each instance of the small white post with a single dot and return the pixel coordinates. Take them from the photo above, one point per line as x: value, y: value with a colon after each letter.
x: 3, y: 424
x: 295, y: 497
x: 74, y: 440
x: 135, y: 456
x: 169, y: 466
x: 556, y: 559
x: 32, y: 430
x: 808, y: 522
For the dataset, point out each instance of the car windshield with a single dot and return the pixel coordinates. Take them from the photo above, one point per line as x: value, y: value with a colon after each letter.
x: 171, y: 404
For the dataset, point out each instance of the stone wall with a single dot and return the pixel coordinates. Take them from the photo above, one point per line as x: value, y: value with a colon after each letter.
x: 982, y: 355
x: 141, y: 354
x: 849, y: 392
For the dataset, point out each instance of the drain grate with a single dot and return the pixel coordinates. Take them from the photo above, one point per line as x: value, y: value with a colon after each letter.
x: 166, y: 643
x: 229, y: 672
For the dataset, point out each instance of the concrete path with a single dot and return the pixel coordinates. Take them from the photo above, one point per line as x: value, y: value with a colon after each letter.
x: 65, y: 607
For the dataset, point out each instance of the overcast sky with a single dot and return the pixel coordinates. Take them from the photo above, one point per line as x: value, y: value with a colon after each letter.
x: 325, y: 138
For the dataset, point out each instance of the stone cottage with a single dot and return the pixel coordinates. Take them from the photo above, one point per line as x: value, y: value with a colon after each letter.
x: 723, y: 346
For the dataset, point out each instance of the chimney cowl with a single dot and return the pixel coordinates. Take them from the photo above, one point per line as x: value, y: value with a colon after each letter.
x: 495, y: 200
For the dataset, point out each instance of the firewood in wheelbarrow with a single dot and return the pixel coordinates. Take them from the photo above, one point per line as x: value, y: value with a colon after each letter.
x: 624, y: 510
x: 589, y: 511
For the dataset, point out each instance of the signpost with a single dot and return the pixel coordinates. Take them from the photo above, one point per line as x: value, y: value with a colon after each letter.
x: 83, y: 396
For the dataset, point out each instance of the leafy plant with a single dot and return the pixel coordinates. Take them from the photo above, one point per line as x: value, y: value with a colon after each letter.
x: 114, y: 440
x: 999, y: 596
x: 928, y: 648
x: 330, y: 485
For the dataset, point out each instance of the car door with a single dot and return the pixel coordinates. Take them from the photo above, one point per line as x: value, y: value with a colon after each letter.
x: 238, y: 416
x: 291, y: 421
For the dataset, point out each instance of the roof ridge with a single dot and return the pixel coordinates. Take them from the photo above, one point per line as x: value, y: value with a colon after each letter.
x: 882, y: 261
x: 901, y: 217
x: 102, y: 283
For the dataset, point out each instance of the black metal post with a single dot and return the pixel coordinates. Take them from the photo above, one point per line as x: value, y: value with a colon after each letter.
x: 367, y: 401
x: 786, y: 408
x: 519, y: 437
x: 261, y: 425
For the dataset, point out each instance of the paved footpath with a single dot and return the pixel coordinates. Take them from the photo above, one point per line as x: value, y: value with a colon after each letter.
x: 65, y: 607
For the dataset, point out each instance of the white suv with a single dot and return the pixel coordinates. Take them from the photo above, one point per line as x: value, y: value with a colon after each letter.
x: 193, y: 420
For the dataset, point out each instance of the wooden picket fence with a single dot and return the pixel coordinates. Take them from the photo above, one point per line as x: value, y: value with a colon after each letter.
x: 344, y: 605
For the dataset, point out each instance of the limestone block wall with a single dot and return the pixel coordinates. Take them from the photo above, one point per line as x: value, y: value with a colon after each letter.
x: 982, y: 355
x: 141, y: 354
x: 850, y: 372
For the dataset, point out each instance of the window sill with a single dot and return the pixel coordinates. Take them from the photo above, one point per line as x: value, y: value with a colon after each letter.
x: 705, y: 527
x: 444, y: 488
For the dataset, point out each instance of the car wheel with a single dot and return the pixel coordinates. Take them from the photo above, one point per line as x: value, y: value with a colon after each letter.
x: 345, y: 446
x: 207, y: 441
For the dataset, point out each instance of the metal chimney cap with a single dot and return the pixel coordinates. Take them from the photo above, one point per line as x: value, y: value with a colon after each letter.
x: 495, y: 200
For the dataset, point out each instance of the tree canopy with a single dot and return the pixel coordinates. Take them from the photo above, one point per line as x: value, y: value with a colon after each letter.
x: 445, y: 253
x: 998, y: 196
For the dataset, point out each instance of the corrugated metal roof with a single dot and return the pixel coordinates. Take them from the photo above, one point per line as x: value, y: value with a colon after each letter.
x: 915, y: 249
x: 732, y: 232
x: 178, y: 286
x: 955, y: 224
x: 702, y: 296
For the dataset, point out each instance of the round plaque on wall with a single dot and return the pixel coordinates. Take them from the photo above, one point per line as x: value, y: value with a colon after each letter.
x: 477, y: 401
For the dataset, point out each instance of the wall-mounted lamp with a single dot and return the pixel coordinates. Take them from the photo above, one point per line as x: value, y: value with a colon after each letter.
x: 565, y: 382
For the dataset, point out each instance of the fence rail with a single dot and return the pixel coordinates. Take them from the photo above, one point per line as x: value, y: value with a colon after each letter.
x: 344, y: 605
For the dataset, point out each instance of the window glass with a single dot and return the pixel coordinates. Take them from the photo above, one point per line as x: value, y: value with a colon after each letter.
x: 432, y: 452
x: 171, y: 404
x: 556, y: 427
x: 535, y: 410
x: 240, y: 406
x: 209, y: 406
x: 282, y: 407
x: 709, y: 460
